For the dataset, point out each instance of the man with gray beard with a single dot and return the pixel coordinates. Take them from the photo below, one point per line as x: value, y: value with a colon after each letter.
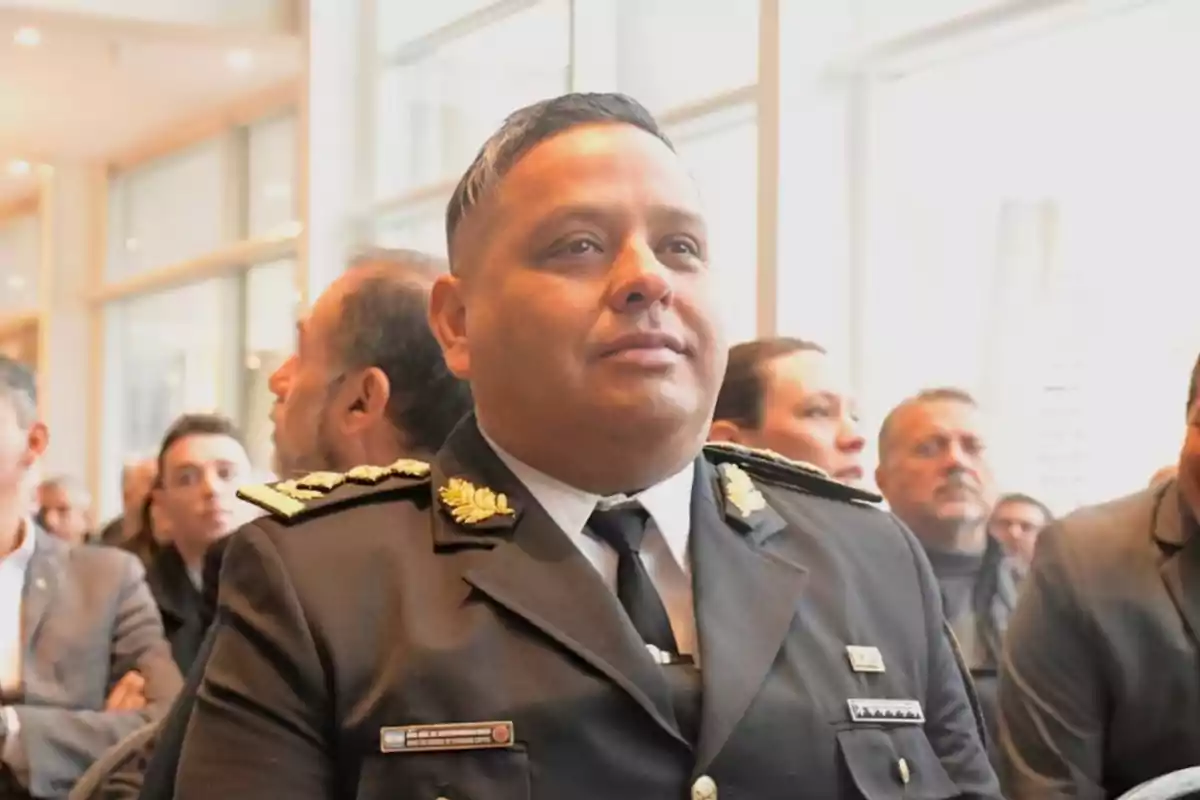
x: 367, y: 385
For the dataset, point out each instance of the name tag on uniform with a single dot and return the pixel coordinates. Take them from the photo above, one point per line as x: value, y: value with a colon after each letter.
x: 864, y: 659
x: 453, y: 736
x: 893, y: 712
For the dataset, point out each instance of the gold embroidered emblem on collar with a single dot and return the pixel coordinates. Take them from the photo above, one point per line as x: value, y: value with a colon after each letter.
x: 740, y: 490
x: 470, y: 505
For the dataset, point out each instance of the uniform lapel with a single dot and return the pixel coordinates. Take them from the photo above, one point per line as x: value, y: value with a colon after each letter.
x: 41, y: 579
x: 745, y: 601
x: 1176, y: 531
x: 534, y: 571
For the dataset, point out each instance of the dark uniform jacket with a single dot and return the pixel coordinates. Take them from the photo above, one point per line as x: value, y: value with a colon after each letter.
x: 350, y: 622
x: 1100, y: 689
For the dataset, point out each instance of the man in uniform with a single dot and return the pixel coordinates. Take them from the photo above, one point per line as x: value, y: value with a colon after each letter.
x: 572, y: 600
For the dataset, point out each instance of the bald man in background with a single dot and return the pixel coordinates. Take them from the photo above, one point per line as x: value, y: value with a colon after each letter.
x: 64, y: 508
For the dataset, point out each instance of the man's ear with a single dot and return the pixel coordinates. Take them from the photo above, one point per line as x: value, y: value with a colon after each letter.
x: 881, y: 477
x: 448, y: 321
x: 363, y: 399
x: 723, y: 430
x: 37, y: 440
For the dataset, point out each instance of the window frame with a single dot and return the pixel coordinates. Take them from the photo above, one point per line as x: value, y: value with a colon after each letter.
x: 234, y: 260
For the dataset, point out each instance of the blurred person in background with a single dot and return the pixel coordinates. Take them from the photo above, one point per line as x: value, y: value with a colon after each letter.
x: 367, y: 383
x: 1016, y: 521
x: 367, y: 386
x: 1099, y: 691
x: 201, y: 463
x: 137, y: 482
x: 1164, y: 475
x: 785, y: 395
x: 64, y: 508
x: 83, y: 659
x: 935, y: 474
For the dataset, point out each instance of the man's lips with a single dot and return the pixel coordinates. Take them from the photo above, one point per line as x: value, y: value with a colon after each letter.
x: 644, y: 341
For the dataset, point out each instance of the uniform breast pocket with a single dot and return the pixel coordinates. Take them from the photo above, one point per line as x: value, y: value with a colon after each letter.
x: 894, y: 764
x: 500, y: 774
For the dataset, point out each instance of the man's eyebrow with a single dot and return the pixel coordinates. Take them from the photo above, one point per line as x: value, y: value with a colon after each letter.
x: 659, y: 213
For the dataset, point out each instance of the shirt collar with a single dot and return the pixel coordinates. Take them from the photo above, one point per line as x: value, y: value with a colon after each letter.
x: 19, y: 559
x: 669, y: 502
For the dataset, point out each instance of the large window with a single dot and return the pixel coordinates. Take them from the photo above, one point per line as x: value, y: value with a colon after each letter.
x: 443, y: 93
x: 270, y: 300
x: 272, y: 166
x: 162, y: 362
x: 171, y: 210
x: 1040, y: 251
x: 989, y: 194
x: 19, y: 263
x: 205, y: 238
x: 447, y: 79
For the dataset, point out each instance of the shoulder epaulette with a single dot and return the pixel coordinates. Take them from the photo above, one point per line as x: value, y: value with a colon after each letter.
x: 296, y: 499
x: 771, y: 467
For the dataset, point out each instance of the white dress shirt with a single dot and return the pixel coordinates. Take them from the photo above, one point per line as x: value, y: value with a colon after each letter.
x: 664, y: 550
x: 13, y: 569
x: 12, y: 592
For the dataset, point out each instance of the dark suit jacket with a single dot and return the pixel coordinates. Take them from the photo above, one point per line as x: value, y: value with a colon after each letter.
x: 1100, y: 688
x: 179, y: 603
x: 151, y: 775
x: 374, y: 608
x: 88, y: 619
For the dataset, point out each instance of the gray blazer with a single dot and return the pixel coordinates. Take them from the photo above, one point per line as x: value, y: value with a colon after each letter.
x: 88, y: 618
x: 1099, y: 691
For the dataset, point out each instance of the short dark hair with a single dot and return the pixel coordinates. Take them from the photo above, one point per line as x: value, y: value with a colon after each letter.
x: 384, y: 324
x: 744, y: 388
x: 19, y: 385
x: 525, y: 129
x: 1027, y: 500
x: 189, y: 425
x: 934, y: 395
x: 1194, y: 385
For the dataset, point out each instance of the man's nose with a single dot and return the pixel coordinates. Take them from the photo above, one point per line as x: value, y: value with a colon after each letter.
x: 640, y: 279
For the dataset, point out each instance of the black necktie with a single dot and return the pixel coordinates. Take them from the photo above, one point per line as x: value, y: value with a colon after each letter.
x: 623, y: 528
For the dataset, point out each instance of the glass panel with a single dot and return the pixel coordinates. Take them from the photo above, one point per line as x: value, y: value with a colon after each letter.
x: 161, y: 362
x: 722, y: 152
x: 1020, y: 245
x: 434, y: 114
x: 272, y: 205
x: 271, y: 303
x: 884, y: 18
x: 672, y: 53
x: 422, y: 228
x: 167, y: 211
x: 400, y: 22
x: 20, y: 251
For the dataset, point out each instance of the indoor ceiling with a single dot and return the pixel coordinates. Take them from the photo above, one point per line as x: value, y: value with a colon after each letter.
x: 88, y: 88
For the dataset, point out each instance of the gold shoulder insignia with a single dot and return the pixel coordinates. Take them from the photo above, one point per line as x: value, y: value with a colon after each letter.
x: 769, y: 466
x: 321, y: 481
x: 293, y: 499
x: 470, y: 505
x: 740, y: 490
x: 296, y: 491
x: 372, y: 475
x: 269, y: 498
